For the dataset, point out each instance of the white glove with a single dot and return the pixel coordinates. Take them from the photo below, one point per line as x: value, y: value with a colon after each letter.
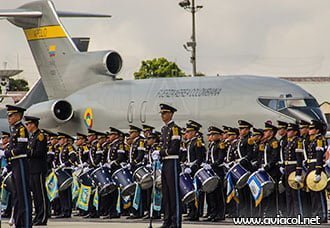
x: 317, y: 178
x: 155, y: 155
x: 282, y: 170
x: 4, y: 171
x: 207, y: 166
x: 2, y: 153
x: 148, y: 165
x: 327, y: 162
x: 108, y: 165
x: 128, y: 166
x: 298, y: 178
x: 187, y: 170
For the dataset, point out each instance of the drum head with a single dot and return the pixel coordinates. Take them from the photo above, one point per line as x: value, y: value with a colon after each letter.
x: 210, y: 184
x: 243, y: 180
x: 188, y: 197
x: 129, y: 190
x: 107, y: 189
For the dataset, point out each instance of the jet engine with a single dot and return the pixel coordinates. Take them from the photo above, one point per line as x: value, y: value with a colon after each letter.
x: 52, y: 113
x: 105, y: 63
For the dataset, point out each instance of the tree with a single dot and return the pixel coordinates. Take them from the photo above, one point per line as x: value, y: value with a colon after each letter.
x: 158, y: 68
x: 18, y: 85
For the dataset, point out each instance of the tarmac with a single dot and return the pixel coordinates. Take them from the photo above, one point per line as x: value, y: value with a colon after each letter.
x: 139, y: 223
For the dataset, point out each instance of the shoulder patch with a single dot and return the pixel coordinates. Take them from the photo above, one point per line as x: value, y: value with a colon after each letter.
x: 222, y: 145
x: 70, y: 148
x: 274, y: 144
x: 319, y: 143
x: 121, y: 147
x: 141, y: 143
x: 250, y: 141
x: 175, y: 130
x: 261, y: 147
x: 41, y: 137
x: 199, y: 142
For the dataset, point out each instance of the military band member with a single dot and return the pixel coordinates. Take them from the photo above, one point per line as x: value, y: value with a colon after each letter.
x: 169, y: 153
x: 195, y: 157
x: 152, y: 145
x: 66, y: 159
x: 37, y: 157
x: 245, y: 197
x: 115, y: 155
x: 293, y: 157
x: 17, y: 154
x: 268, y: 161
x: 231, y: 142
x: 215, y: 158
x: 315, y: 152
x: 5, y: 169
x: 282, y: 135
x: 82, y: 149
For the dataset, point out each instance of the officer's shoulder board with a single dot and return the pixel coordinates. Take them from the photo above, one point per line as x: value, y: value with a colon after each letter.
x: 22, y: 132
x: 121, y: 146
x: 175, y: 130
x: 274, y: 144
x: 127, y: 147
x: 70, y: 148
x: 41, y: 137
x: 141, y: 144
x: 222, y: 145
x: 199, y: 142
x: 85, y: 148
x: 261, y: 147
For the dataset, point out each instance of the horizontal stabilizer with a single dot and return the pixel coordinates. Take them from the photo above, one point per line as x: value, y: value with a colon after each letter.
x: 76, y: 14
x: 20, y: 13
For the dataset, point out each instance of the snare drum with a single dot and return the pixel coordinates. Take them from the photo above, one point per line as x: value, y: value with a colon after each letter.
x: 239, y: 175
x: 123, y: 178
x: 8, y: 182
x: 143, y: 177
x: 102, y: 179
x: 187, y: 188
x: 207, y: 179
x: 263, y: 179
x: 64, y: 179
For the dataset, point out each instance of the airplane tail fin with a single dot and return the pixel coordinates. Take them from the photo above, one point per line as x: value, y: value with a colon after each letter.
x: 51, y: 46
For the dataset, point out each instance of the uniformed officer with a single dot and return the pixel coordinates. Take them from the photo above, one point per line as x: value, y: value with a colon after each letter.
x: 66, y: 159
x: 245, y: 197
x: 283, y: 140
x: 82, y: 149
x: 135, y: 159
x: 293, y: 157
x: 215, y: 158
x: 315, y: 152
x: 17, y: 153
x: 37, y: 157
x: 6, y: 168
x: 268, y: 161
x: 170, y: 148
x: 306, y: 197
x: 115, y: 155
x: 195, y: 158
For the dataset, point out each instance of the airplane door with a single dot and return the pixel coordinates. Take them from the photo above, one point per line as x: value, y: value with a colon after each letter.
x: 143, y: 111
x: 130, y: 112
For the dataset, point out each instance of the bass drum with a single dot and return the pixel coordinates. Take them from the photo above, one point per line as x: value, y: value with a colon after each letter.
x: 123, y: 178
x: 85, y: 177
x: 102, y: 179
x: 64, y: 179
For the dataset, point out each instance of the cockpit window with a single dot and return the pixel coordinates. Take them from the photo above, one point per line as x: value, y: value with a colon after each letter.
x: 278, y: 104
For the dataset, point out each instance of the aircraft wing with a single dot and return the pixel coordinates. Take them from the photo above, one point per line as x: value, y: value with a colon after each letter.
x: 20, y: 13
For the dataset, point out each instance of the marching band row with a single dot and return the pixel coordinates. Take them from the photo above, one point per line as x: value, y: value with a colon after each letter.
x: 244, y: 171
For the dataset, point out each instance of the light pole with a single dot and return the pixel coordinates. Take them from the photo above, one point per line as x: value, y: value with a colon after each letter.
x: 191, y: 46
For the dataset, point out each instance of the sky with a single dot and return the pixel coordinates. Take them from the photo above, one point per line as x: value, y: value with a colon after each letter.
x: 272, y: 37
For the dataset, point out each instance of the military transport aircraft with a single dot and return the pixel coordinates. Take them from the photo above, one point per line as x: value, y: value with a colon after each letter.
x: 83, y: 91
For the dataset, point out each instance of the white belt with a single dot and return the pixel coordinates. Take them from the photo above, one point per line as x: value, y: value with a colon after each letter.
x: 171, y: 157
x: 19, y: 156
x: 311, y: 160
x: 290, y: 162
